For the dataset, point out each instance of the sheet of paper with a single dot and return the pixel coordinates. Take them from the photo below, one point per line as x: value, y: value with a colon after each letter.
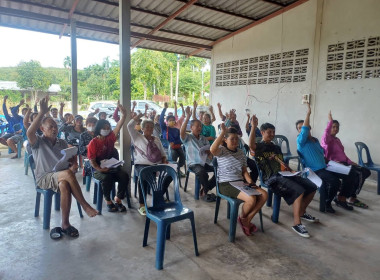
x: 338, y: 168
x: 313, y: 177
x: 64, y: 163
x: 243, y: 187
x: 289, y: 173
x: 203, y: 153
x: 111, y: 163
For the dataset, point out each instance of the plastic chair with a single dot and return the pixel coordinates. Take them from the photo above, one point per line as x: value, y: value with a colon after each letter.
x: 163, y: 214
x: 276, y: 199
x: 135, y: 177
x: 48, y: 197
x: 369, y: 164
x: 197, y: 183
x: 278, y: 140
x: 322, y: 190
x: 232, y: 208
x: 19, y: 147
x: 98, y: 195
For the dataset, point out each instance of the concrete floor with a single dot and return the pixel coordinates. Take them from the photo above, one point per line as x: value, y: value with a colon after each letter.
x: 344, y: 245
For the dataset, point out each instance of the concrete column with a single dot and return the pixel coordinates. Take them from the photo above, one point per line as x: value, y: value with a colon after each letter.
x: 74, y: 69
x: 125, y: 78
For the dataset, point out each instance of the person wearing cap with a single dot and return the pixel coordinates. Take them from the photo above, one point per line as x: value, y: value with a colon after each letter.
x: 73, y: 132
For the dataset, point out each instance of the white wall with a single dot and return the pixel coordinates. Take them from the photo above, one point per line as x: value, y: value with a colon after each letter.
x: 353, y: 102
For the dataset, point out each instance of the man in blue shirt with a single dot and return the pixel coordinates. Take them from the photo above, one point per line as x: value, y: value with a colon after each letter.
x: 15, y: 125
x: 313, y: 155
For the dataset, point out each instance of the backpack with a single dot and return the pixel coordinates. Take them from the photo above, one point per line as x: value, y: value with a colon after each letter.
x: 153, y: 153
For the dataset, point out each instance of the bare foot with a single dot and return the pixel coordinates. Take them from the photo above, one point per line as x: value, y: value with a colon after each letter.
x: 91, y: 212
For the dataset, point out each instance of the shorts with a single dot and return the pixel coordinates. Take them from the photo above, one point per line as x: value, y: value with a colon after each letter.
x: 14, y: 137
x: 226, y: 189
x: 6, y: 136
x: 290, y: 188
x: 49, y: 182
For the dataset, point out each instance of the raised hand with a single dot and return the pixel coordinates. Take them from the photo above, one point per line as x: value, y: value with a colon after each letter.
x: 308, y: 108
x: 137, y: 117
x: 5, y: 97
x: 219, y: 105
x: 330, y: 116
x: 134, y: 104
x: 166, y: 105
x: 211, y: 109
x: 188, y: 112
x: 62, y: 104
x: 36, y: 101
x: 254, y: 121
x: 97, y: 110
x: 122, y: 109
x: 195, y: 104
x: 44, y: 106
x: 22, y: 101
x: 223, y: 128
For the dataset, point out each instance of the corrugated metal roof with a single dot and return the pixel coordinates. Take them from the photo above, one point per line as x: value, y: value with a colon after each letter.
x: 194, y: 30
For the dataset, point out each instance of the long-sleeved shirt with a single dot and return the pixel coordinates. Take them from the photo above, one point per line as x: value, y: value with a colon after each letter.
x: 332, y: 146
x: 171, y: 134
x: 14, y: 120
x: 311, y: 151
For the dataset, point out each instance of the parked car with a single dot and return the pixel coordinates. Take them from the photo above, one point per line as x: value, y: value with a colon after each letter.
x: 152, y: 106
x: 104, y: 106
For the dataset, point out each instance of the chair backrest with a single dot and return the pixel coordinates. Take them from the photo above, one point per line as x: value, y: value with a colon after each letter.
x: 359, y: 148
x: 215, y: 164
x: 32, y: 167
x: 152, y: 177
x: 279, y: 139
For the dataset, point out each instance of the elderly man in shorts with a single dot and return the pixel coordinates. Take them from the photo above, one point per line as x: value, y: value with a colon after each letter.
x: 46, y: 151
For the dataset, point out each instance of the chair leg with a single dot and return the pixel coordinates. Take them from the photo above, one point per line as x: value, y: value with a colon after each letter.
x: 57, y: 201
x: 194, y: 235
x: 88, y: 183
x: 47, y: 209
x: 128, y: 198
x: 276, y: 208
x: 136, y: 182
x: 99, y: 198
x: 37, y: 206
x: 186, y: 180
x: 94, y: 200
x: 228, y: 210
x: 233, y: 220
x: 270, y: 197
x: 146, y: 232
x: 168, y: 232
x: 197, y: 188
x: 322, y: 199
x: 217, y: 204
x: 160, y: 247
x: 19, y: 147
x: 80, y: 210
x: 26, y: 163
x: 261, y: 220
x: 378, y: 182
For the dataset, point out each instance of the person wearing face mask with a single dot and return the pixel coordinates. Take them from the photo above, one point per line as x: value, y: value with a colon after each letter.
x: 334, y: 150
x: 148, y: 151
x: 208, y: 130
x: 101, y: 147
x: 172, y: 134
x: 86, y: 137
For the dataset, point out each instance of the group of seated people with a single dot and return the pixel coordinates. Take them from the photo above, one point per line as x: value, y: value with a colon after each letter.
x: 96, y: 142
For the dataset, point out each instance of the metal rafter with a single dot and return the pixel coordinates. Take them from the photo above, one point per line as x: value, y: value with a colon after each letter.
x: 166, y: 21
x: 202, y: 5
x: 108, y: 19
x: 275, y: 3
x: 99, y: 28
x: 71, y: 12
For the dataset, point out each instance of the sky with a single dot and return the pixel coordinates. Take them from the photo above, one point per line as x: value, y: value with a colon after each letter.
x: 20, y: 45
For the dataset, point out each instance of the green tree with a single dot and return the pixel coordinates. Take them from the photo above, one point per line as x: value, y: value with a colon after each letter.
x: 33, y: 77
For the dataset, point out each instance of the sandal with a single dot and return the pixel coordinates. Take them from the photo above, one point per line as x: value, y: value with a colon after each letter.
x: 252, y: 228
x: 71, y: 231
x: 120, y: 207
x: 209, y: 198
x: 358, y: 203
x: 142, y: 211
x: 245, y: 229
x: 111, y: 207
x: 56, y: 233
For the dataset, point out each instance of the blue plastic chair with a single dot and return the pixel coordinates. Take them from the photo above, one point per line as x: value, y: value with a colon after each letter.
x: 163, y: 214
x: 19, y: 147
x: 322, y: 190
x: 369, y: 164
x: 278, y: 140
x: 276, y: 199
x: 197, y: 183
x: 232, y: 208
x: 98, y: 195
x: 48, y: 197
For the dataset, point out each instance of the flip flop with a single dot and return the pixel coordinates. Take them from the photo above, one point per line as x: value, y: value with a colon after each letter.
x: 358, y: 203
x: 208, y: 198
x: 120, y: 207
x: 56, y: 233
x: 252, y: 228
x: 245, y: 229
x: 142, y: 211
x: 71, y: 231
x: 111, y: 207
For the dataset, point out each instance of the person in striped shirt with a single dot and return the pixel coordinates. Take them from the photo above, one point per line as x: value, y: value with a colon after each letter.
x: 232, y: 166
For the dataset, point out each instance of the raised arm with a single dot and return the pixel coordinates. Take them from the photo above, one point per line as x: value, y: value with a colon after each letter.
x: 61, y: 105
x: 326, y: 137
x: 26, y: 118
x: 35, y: 105
x: 247, y: 124
x: 146, y: 110
x: 134, y: 103
x: 252, y: 137
x: 175, y: 110
x: 120, y: 123
x: 115, y: 115
x: 162, y: 118
x: 184, y: 125
x: 220, y: 112
x: 195, y: 105
x: 212, y: 114
x: 214, y: 149
x: 31, y: 133
x: 131, y: 127
x: 307, y: 119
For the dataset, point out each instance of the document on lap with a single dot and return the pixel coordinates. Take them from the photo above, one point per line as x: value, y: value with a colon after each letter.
x: 309, y: 175
x: 289, y: 173
x: 336, y: 167
x: 203, y: 153
x: 111, y: 163
x: 243, y: 187
x: 64, y: 162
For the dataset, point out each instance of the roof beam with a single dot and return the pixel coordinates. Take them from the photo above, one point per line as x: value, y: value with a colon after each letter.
x: 165, y: 16
x: 107, y: 19
x: 166, y: 21
x: 69, y: 17
x: 264, y: 19
x: 202, y: 5
x: 275, y: 3
x: 99, y: 28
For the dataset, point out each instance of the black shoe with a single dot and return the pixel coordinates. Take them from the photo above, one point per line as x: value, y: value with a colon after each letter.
x: 343, y: 204
x: 309, y: 218
x: 329, y: 208
x: 301, y: 230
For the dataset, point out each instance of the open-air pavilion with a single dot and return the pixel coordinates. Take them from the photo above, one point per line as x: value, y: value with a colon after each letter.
x: 265, y: 54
